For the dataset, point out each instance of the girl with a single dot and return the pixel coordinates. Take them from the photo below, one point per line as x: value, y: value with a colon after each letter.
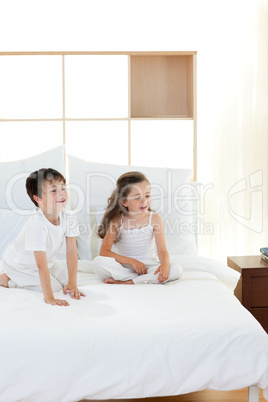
x: 135, y: 228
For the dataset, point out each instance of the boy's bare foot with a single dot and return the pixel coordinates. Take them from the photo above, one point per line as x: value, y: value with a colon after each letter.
x: 111, y: 280
x: 4, y: 280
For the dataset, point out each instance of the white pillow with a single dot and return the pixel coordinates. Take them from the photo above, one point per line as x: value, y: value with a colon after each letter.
x: 11, y: 223
x: 88, y: 242
x: 179, y: 214
x: 13, y: 175
x: 86, y: 236
x: 93, y: 183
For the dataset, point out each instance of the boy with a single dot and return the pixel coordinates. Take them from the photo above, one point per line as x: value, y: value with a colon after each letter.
x: 29, y: 262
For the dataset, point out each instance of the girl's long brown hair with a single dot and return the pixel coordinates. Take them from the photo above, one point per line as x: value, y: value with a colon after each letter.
x: 115, y: 207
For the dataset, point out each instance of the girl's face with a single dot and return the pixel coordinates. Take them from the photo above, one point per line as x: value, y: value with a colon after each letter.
x: 139, y: 198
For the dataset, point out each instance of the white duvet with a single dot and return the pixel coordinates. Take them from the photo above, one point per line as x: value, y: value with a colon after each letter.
x: 131, y: 341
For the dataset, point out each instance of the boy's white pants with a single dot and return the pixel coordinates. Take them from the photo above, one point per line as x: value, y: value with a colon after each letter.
x: 107, y: 267
x: 30, y: 280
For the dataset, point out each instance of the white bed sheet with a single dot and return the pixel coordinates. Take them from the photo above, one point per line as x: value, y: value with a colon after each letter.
x: 125, y: 341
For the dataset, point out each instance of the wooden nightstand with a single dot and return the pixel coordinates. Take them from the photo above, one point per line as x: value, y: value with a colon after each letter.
x: 252, y: 288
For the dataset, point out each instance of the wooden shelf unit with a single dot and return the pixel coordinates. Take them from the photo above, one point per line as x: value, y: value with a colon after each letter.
x: 161, y: 85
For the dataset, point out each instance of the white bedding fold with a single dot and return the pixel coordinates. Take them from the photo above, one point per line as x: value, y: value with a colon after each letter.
x: 193, y: 263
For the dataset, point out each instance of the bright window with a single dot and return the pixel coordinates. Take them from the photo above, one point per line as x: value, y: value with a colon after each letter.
x: 30, y: 87
x: 98, y: 141
x: 96, y: 86
x: 20, y: 140
x: 163, y: 143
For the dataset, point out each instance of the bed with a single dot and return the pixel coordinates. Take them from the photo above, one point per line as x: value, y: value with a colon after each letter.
x: 120, y: 341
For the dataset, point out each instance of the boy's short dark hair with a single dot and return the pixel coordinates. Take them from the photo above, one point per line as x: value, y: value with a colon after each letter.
x: 34, y: 182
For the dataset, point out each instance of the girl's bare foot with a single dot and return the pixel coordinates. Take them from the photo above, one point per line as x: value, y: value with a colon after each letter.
x: 111, y: 280
x: 4, y: 280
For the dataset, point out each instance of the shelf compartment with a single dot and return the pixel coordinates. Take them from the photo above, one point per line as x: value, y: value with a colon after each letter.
x: 162, y: 86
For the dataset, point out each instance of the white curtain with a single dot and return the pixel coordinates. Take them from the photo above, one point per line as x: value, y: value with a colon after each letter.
x: 233, y: 131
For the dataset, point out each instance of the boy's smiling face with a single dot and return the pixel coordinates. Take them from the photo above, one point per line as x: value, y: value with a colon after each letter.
x: 54, y: 197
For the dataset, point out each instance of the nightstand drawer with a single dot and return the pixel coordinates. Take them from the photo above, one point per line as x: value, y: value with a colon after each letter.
x: 259, y: 291
x: 252, y: 288
x: 261, y: 314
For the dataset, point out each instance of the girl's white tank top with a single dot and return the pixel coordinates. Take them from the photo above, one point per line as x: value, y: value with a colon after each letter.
x: 138, y: 243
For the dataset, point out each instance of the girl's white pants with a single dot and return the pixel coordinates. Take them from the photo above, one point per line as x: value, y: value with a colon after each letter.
x: 107, y: 267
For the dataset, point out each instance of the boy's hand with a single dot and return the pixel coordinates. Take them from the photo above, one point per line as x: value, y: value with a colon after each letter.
x: 163, y: 272
x: 75, y: 293
x: 57, y: 302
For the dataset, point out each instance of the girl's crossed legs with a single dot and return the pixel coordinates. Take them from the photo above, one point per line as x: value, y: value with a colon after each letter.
x: 111, y: 271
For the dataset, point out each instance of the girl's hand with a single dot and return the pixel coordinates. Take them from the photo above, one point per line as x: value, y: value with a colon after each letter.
x: 75, y: 293
x: 138, y: 266
x: 57, y: 302
x: 163, y: 270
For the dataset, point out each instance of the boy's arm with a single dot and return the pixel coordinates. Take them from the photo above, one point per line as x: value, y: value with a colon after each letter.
x: 72, y: 262
x: 71, y: 259
x: 41, y: 261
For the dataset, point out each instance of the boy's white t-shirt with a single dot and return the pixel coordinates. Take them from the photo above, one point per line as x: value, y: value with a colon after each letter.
x: 38, y: 234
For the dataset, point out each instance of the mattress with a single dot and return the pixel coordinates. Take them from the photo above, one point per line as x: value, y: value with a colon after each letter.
x: 131, y: 341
